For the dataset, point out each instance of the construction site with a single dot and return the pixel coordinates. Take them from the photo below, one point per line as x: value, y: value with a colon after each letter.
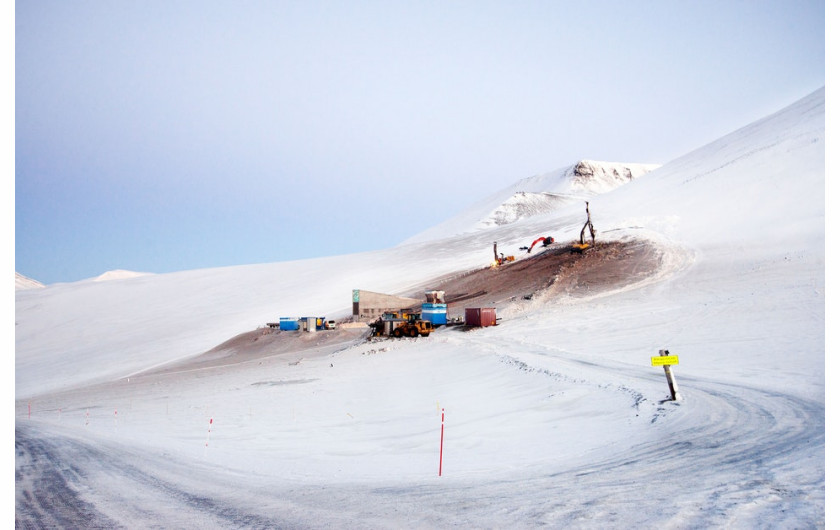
x: 464, y: 300
x: 479, y: 297
x: 467, y: 300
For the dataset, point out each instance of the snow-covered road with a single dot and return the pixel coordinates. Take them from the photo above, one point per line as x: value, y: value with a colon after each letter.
x: 772, y: 444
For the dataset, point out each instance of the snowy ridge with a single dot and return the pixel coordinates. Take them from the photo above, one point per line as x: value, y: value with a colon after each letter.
x: 22, y: 282
x: 538, y: 195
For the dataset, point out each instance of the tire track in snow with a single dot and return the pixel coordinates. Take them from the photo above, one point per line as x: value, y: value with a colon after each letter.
x: 684, y: 480
x: 681, y: 481
x: 63, y: 482
x: 752, y: 453
x: 47, y: 490
x: 741, y: 455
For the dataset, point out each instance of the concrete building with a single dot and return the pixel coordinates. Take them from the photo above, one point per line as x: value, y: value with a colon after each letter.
x: 368, y: 305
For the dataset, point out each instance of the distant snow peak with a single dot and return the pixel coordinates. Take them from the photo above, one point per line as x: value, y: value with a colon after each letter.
x: 118, y: 274
x: 22, y: 282
x: 541, y: 194
x: 550, y: 191
x: 589, y: 176
x: 525, y: 204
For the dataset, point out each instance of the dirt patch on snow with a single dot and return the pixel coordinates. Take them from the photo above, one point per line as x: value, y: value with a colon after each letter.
x: 289, y: 346
x: 556, y: 270
x: 553, y: 271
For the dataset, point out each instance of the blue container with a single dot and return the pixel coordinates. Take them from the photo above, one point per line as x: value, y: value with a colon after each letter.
x: 434, y: 313
x: 289, y: 324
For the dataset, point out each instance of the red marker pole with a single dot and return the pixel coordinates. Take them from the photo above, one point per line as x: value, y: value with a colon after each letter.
x: 440, y: 467
x: 207, y: 442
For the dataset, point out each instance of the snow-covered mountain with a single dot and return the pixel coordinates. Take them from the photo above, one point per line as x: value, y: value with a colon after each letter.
x: 538, y: 195
x: 22, y: 282
x: 162, y: 400
x: 118, y: 274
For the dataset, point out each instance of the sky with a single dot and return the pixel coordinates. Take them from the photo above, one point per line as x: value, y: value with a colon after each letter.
x: 160, y: 136
x: 554, y: 418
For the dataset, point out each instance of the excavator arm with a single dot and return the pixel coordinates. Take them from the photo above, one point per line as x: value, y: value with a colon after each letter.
x: 547, y: 240
x: 535, y: 243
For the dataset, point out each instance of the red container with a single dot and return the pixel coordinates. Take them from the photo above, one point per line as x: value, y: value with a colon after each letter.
x: 480, y: 316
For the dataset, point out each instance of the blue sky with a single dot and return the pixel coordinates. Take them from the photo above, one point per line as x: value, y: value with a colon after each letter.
x: 163, y: 136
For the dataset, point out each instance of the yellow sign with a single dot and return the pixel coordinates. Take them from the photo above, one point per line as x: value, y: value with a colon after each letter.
x: 662, y: 360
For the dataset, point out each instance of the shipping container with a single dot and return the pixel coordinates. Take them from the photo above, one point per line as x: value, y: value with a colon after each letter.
x: 480, y: 316
x: 289, y: 324
x: 435, y: 313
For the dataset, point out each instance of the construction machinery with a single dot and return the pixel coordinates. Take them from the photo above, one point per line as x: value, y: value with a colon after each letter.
x: 583, y: 245
x: 500, y: 259
x: 413, y: 328
x: 547, y: 240
x: 401, y: 325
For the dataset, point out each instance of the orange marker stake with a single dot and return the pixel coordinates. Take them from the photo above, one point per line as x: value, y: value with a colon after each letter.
x: 207, y: 442
x: 440, y: 466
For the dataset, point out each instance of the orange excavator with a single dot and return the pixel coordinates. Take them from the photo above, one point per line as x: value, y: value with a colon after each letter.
x: 547, y: 240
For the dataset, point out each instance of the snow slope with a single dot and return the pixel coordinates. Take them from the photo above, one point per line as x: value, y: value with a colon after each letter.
x: 553, y: 418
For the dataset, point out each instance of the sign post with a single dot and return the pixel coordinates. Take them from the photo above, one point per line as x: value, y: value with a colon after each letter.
x: 665, y: 360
